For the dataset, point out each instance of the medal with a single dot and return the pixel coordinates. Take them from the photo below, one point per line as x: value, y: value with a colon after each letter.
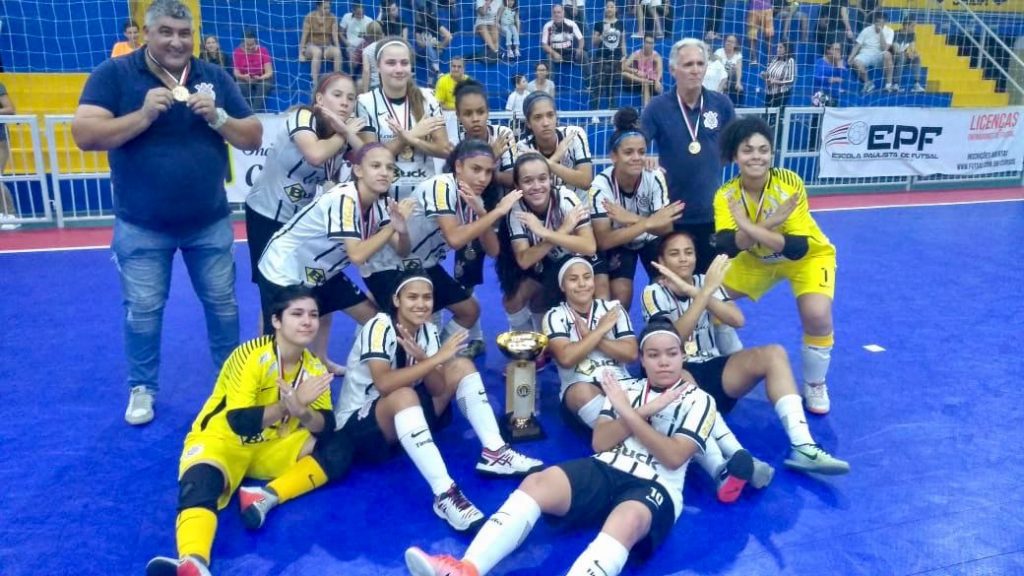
x: 690, y: 348
x: 694, y: 130
x: 180, y: 93
x: 469, y: 253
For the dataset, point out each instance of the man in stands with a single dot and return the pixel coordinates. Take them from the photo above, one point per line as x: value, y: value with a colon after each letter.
x: 873, y: 50
x: 320, y: 39
x: 562, y: 41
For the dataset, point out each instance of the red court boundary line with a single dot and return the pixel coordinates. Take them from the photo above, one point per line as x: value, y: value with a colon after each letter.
x: 55, y: 239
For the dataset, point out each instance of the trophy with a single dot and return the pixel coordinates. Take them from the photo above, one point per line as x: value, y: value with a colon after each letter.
x: 521, y: 349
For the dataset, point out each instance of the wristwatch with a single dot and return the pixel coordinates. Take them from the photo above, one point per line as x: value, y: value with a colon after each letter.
x: 222, y: 117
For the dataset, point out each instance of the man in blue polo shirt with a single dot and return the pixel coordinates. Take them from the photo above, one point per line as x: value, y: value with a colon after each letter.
x: 164, y: 117
x: 687, y: 142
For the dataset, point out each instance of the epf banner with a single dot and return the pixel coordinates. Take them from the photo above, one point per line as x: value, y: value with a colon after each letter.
x: 244, y: 167
x: 859, y: 142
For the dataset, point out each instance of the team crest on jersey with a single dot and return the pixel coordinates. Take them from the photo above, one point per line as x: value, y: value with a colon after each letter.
x: 711, y: 119
x: 315, y: 276
x: 295, y: 192
x: 206, y: 88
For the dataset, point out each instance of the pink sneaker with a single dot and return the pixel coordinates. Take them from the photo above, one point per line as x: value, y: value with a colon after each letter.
x: 420, y: 563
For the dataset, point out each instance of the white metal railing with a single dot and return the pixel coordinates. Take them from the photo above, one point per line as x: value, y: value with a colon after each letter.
x: 77, y: 189
x: 22, y: 154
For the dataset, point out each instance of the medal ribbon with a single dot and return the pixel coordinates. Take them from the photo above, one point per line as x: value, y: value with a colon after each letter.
x: 647, y: 390
x: 694, y: 129
x: 176, y: 81
x: 369, y: 221
x: 393, y: 114
x: 300, y: 374
x: 760, y: 204
x: 588, y: 319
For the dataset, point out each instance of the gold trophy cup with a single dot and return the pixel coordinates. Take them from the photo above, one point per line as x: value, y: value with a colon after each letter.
x: 522, y: 349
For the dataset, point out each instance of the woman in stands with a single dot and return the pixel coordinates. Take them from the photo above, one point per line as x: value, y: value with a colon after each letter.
x: 648, y: 431
x: 762, y: 217
x: 398, y: 388
x: 694, y: 303
x: 565, y: 148
x: 547, y: 226
x: 630, y: 209
x: 404, y: 117
x: 308, y: 152
x: 269, y: 418
x: 349, y: 223
x: 587, y: 336
x: 370, y: 78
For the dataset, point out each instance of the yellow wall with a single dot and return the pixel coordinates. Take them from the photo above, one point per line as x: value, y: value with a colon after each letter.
x: 137, y: 9
x: 975, y: 5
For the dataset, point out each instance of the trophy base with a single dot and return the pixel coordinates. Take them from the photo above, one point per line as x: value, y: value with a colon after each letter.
x: 527, y: 430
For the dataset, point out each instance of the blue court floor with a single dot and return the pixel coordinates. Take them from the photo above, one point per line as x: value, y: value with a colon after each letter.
x: 932, y: 427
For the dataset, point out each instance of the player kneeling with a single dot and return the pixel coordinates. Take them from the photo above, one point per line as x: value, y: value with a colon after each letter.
x: 269, y: 418
x: 646, y: 434
x: 399, y: 385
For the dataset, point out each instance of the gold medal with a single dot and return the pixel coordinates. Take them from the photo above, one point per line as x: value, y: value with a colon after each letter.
x: 690, y: 348
x: 180, y: 93
x: 469, y: 253
x: 694, y: 148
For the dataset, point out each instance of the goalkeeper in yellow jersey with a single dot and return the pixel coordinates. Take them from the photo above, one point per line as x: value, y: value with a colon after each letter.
x: 269, y: 418
x: 762, y: 218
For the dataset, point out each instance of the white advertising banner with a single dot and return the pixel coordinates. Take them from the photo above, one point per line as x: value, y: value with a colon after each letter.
x: 245, y: 166
x: 864, y: 142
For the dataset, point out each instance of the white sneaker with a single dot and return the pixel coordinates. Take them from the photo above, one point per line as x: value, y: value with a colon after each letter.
x: 454, y: 508
x: 813, y: 458
x: 869, y: 87
x: 9, y: 222
x: 816, y: 398
x: 506, y: 462
x: 140, y: 406
x: 918, y: 88
x: 164, y: 566
x: 763, y: 474
x: 254, y: 503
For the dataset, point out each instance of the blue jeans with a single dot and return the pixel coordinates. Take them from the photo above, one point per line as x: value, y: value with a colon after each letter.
x: 144, y: 259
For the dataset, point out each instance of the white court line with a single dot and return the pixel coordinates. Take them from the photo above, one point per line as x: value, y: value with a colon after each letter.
x: 839, y: 209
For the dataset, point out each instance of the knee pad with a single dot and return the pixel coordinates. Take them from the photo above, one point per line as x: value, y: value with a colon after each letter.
x: 334, y: 454
x: 200, y: 487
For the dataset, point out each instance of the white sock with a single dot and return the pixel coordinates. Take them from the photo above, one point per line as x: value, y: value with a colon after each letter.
x: 591, y: 410
x: 537, y: 320
x: 451, y: 328
x: 415, y: 437
x: 727, y: 340
x: 520, y: 320
x: 790, y: 409
x: 711, y: 461
x: 472, y: 400
x: 815, y: 360
x: 723, y: 435
x: 604, y: 556
x: 476, y: 332
x: 503, y: 532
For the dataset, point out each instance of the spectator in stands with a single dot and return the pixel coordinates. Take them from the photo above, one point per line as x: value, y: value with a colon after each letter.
x: 716, y: 77
x: 508, y: 18
x: 830, y: 75
x: 644, y: 68
x: 732, y: 59
x: 431, y: 40
x: 542, y: 82
x: 787, y: 11
x: 445, y: 89
x: 212, y: 53
x: 609, y: 53
x: 654, y: 11
x: 871, y: 51
x: 487, y: 25
x: 371, y: 77
x: 8, y: 210
x: 904, y: 46
x: 164, y: 117
x: 562, y: 41
x: 515, y: 100
x: 864, y: 13
x: 779, y: 77
x: 759, y: 21
x: 320, y: 40
x: 391, y: 22
x: 353, y: 28
x: 131, y: 40
x: 576, y: 11
x: 684, y: 126
x: 253, y: 70
x: 834, y: 23
x: 713, y: 20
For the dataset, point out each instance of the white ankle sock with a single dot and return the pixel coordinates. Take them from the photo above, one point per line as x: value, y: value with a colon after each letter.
x: 503, y: 532
x: 711, y: 461
x: 723, y: 435
x: 537, y: 320
x: 475, y: 331
x: 415, y: 437
x: 471, y: 398
x: 451, y: 328
x: 815, y: 361
x: 790, y: 409
x: 605, y: 556
x: 591, y: 410
x: 520, y: 320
